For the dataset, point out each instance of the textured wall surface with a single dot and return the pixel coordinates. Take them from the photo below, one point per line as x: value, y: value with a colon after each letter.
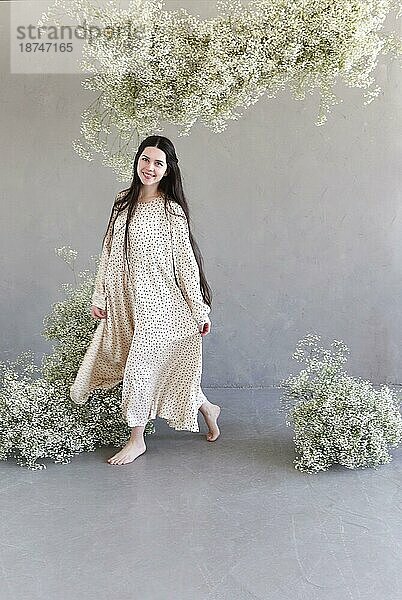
x: 300, y: 226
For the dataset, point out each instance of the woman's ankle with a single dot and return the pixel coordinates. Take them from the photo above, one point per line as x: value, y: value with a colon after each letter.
x: 206, y: 407
x: 137, y: 435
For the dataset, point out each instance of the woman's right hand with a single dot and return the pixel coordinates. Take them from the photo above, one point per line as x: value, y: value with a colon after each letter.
x: 98, y: 313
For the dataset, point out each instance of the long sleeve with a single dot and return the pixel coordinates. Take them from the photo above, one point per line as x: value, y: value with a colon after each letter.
x: 99, y: 294
x: 186, y: 268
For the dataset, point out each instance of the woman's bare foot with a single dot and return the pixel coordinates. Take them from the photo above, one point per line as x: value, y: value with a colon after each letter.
x: 211, y: 413
x: 129, y: 453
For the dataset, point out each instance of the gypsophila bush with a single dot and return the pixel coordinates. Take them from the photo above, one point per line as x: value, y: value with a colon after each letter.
x: 336, y: 418
x: 38, y: 418
x: 151, y: 65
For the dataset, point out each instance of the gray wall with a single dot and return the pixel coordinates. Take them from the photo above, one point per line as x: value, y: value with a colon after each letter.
x: 300, y: 226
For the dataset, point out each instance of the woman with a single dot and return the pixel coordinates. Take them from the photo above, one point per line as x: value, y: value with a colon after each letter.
x: 153, y: 300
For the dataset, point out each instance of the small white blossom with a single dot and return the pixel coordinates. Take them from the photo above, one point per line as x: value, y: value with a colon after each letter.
x: 152, y: 66
x: 337, y: 419
x: 67, y: 254
x: 39, y: 419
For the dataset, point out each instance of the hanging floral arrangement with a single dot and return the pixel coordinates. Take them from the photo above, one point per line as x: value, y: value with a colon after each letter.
x: 152, y: 66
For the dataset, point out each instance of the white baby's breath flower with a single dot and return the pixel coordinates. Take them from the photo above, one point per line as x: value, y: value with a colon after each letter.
x: 338, y: 419
x: 39, y: 419
x: 67, y: 253
x: 152, y: 65
x: 81, y: 151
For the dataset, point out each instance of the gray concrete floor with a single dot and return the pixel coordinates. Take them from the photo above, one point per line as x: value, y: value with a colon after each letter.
x: 193, y: 520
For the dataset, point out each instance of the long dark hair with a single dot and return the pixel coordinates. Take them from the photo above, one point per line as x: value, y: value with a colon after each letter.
x: 172, y: 189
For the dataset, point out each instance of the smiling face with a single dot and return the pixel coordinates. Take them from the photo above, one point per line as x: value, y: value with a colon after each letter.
x: 151, y: 167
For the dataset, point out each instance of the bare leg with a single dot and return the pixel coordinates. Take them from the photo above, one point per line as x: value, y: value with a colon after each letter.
x: 134, y: 447
x: 211, y: 413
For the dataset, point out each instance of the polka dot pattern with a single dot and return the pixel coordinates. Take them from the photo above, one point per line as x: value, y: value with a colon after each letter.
x: 151, y: 336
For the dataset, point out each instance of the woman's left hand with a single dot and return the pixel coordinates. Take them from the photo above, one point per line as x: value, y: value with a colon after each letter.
x: 205, y: 329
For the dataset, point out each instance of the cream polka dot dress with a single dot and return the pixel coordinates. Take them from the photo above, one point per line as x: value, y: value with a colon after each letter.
x: 150, y: 338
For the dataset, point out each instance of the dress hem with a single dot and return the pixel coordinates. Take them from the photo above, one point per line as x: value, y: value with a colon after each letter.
x: 82, y: 399
x: 172, y: 425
